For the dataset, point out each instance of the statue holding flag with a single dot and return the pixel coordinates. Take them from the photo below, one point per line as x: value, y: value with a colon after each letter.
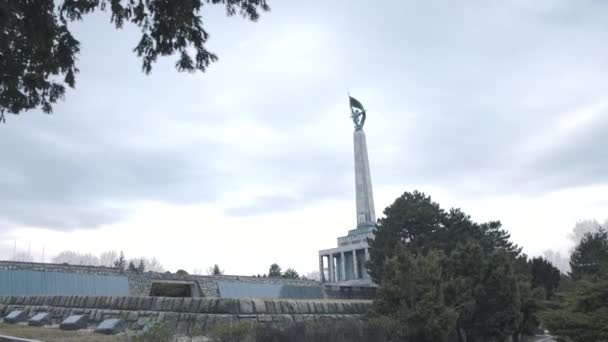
x: 357, y: 113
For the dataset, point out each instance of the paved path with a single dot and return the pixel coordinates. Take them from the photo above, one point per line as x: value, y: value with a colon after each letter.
x: 545, y: 338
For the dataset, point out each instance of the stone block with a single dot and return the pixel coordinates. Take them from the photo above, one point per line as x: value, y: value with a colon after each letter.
x: 264, y: 318
x: 16, y: 316
x: 90, y: 301
x: 226, y: 306
x: 222, y: 320
x: 74, y: 322
x: 259, y: 306
x: 176, y: 305
x: 98, y: 315
x: 40, y: 319
x: 207, y: 305
x: 198, y: 326
x: 271, y: 307
x: 183, y: 327
x: 123, y: 303
x: 132, y: 316
x: 185, y: 306
x: 110, y: 326
x: 146, y: 303
x: 245, y: 306
x: 132, y: 303
x: 101, y: 302
x: 158, y: 303
x: 302, y: 307
x: 167, y: 304
x: 282, y: 320
x: 195, y: 305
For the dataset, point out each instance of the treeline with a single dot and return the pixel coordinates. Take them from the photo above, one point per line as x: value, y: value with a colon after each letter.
x: 443, y: 277
x: 109, y: 259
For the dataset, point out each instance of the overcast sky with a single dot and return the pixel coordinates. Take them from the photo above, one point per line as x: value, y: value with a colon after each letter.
x: 496, y: 107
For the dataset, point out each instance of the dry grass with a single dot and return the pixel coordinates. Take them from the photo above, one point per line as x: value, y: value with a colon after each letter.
x: 55, y: 335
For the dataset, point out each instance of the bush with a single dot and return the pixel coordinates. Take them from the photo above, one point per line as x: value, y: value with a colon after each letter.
x: 328, y: 331
x: 157, y: 332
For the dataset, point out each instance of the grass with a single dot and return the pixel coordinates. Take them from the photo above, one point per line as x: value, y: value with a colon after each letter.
x: 55, y: 335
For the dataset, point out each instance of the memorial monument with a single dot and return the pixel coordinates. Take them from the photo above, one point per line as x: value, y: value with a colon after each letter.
x: 346, y: 263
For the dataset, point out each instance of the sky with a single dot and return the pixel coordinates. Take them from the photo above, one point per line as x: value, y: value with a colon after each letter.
x: 495, y: 107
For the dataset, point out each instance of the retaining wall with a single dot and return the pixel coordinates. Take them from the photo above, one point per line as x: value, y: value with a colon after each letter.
x: 187, y: 315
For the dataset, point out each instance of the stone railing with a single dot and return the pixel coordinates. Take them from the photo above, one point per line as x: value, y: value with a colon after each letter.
x: 184, y: 315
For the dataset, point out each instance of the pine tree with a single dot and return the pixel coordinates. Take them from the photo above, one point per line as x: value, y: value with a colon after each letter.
x: 39, y: 52
x: 132, y: 267
x: 217, y: 270
x: 590, y: 256
x: 274, y: 271
x: 141, y: 267
x: 121, y: 262
x: 290, y: 273
x: 410, y: 303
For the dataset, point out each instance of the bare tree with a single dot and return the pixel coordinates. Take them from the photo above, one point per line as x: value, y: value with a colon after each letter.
x: 75, y: 258
x: 22, y: 257
x: 215, y: 270
x: 108, y: 258
x: 583, y: 227
x: 314, y: 275
x: 151, y: 265
x: 558, y: 260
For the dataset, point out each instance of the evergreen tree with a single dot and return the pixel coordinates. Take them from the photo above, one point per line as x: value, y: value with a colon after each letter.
x: 132, y: 267
x: 274, y: 271
x: 216, y: 270
x: 582, y: 313
x: 38, y: 51
x: 121, y: 262
x: 544, y: 275
x: 483, y: 289
x: 141, y: 267
x: 410, y: 303
x: 290, y: 273
x: 590, y: 256
x: 481, y: 282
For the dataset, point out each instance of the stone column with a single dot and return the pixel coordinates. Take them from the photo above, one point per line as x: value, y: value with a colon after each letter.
x: 331, y: 268
x: 366, y: 216
x: 321, y: 270
x: 366, y: 259
x: 356, y: 271
x: 342, y: 266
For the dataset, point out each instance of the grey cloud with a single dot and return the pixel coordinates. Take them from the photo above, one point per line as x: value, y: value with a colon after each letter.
x: 452, y: 92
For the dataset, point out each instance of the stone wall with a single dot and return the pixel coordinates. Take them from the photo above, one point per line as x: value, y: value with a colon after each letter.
x: 187, y: 315
x: 44, y: 267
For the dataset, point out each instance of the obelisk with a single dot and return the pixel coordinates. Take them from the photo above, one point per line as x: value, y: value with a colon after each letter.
x: 366, y: 216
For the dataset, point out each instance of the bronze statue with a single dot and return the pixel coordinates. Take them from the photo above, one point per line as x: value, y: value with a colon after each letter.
x: 357, y: 113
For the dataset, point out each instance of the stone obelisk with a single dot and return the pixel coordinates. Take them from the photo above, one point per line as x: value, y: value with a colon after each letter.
x: 366, y: 216
x: 346, y: 263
